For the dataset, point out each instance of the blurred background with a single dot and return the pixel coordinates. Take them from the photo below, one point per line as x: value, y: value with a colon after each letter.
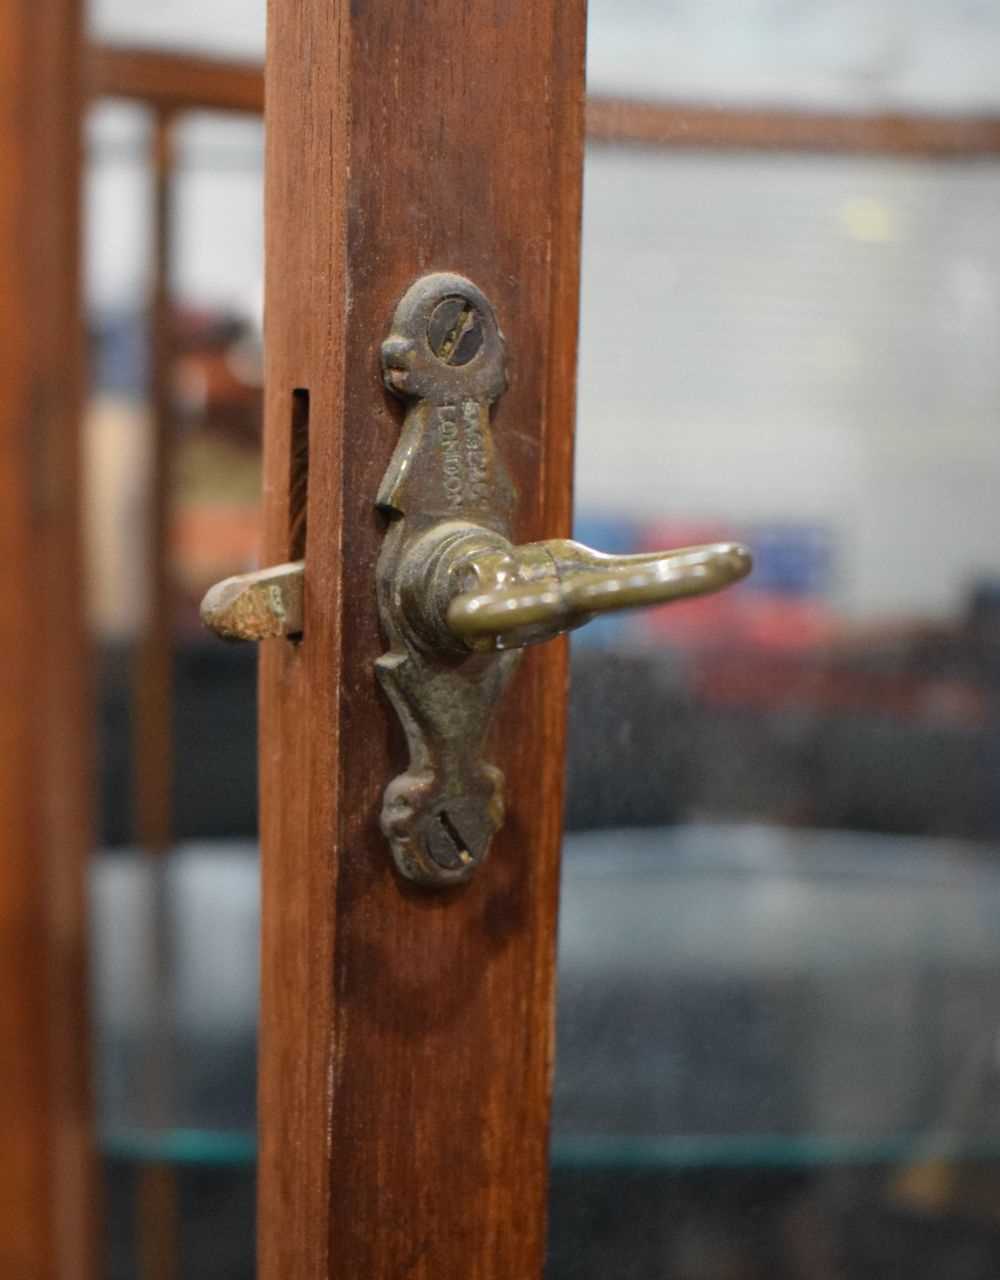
x: 779, y: 1008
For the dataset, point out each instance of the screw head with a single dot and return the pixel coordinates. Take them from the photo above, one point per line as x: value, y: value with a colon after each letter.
x: 455, y: 331
x: 457, y: 835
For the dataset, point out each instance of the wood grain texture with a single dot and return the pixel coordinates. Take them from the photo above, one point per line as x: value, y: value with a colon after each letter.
x: 407, y: 1035
x: 46, y: 1175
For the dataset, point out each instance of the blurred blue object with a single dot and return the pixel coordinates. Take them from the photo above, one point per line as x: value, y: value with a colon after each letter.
x: 791, y: 559
x: 617, y: 537
x: 119, y: 353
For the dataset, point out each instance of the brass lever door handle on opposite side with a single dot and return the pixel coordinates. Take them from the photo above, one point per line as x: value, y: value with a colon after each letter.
x: 457, y: 598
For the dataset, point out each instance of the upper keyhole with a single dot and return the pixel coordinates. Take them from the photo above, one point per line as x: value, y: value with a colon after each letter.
x: 455, y: 331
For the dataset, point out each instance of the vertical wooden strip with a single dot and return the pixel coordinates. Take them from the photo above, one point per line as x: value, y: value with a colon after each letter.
x: 153, y: 772
x: 156, y: 1192
x: 406, y: 1040
x: 47, y: 1173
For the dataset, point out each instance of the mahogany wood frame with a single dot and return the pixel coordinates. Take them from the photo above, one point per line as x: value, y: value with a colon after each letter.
x: 407, y: 1036
x: 47, y: 1175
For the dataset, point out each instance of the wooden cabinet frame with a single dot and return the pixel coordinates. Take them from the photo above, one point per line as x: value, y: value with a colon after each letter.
x: 47, y: 1184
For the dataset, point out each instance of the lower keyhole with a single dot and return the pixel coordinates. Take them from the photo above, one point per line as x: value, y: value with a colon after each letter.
x: 455, y: 836
x: 446, y: 844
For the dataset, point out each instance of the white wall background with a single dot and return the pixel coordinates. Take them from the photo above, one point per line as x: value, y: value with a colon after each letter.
x: 800, y: 338
x: 219, y: 213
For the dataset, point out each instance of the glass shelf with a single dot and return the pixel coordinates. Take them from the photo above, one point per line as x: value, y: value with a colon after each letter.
x: 729, y: 997
x: 606, y: 1152
x: 207, y: 1148
x: 773, y: 1151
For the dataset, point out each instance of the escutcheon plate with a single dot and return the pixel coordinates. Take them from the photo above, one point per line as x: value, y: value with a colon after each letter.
x: 445, y: 487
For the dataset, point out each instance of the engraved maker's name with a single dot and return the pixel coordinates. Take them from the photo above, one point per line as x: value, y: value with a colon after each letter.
x: 464, y: 454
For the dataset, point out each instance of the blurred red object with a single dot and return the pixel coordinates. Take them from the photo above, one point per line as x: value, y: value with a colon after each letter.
x: 743, y: 616
x: 690, y: 624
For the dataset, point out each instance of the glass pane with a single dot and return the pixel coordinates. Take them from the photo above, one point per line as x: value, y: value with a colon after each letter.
x: 777, y: 1038
x: 778, y: 1026
x: 175, y: 897
x: 933, y: 55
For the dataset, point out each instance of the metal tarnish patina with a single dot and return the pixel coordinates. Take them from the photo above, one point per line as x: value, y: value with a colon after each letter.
x: 457, y: 599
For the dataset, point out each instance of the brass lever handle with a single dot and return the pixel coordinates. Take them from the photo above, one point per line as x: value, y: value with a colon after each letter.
x: 577, y: 583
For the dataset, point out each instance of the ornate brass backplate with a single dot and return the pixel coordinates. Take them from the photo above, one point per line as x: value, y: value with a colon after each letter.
x: 447, y: 496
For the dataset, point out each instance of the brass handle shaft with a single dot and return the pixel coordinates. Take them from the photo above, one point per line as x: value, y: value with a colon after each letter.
x: 583, y: 582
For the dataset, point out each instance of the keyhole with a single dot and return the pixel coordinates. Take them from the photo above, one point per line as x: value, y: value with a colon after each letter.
x: 457, y: 835
x: 446, y: 844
